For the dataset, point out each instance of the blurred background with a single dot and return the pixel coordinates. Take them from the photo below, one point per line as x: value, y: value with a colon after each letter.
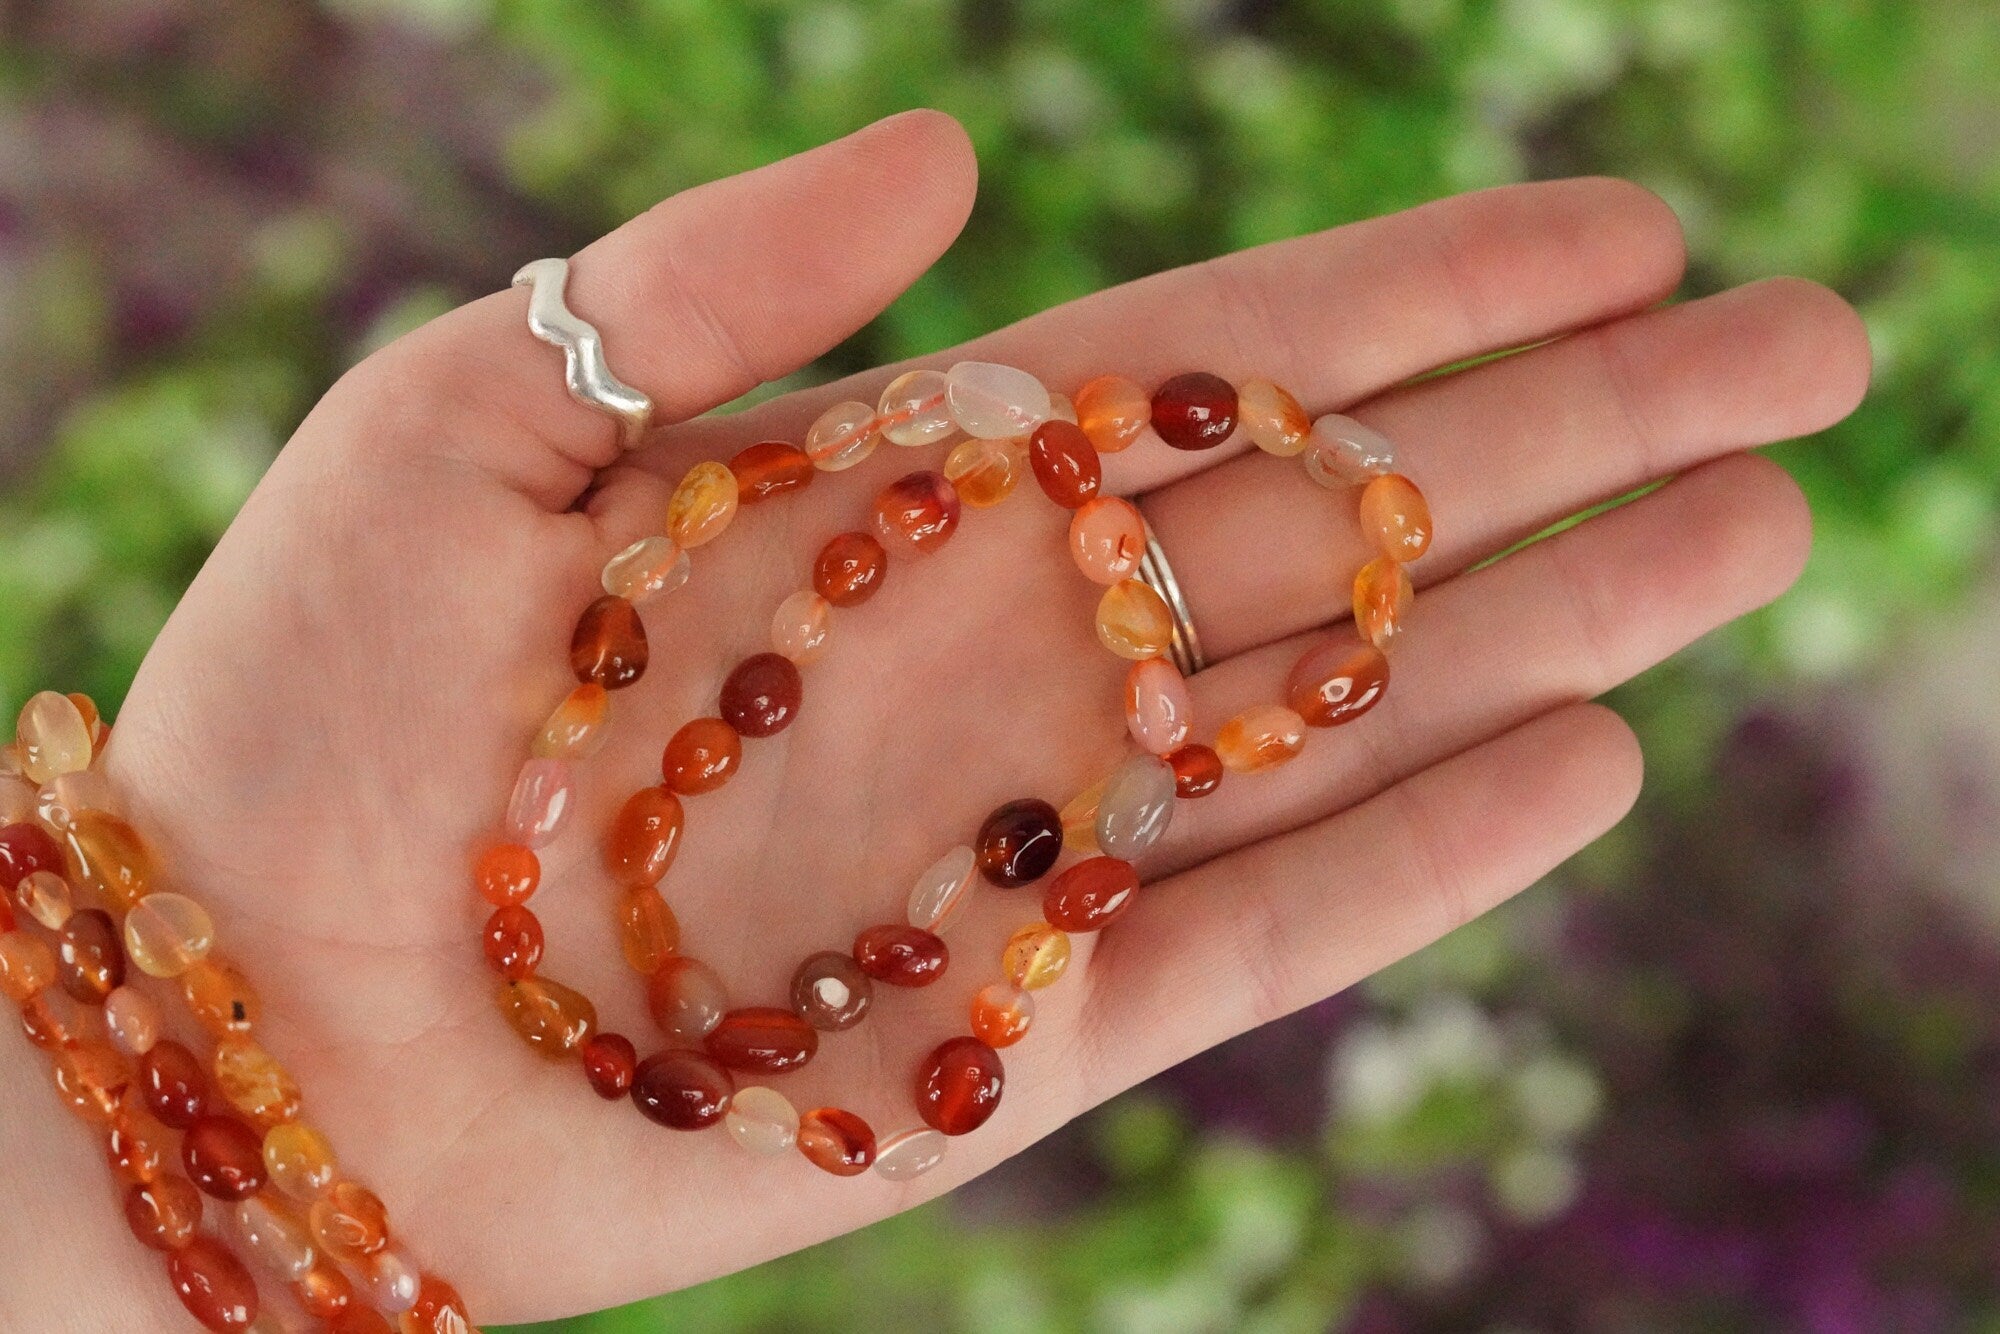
x: 1737, y: 1067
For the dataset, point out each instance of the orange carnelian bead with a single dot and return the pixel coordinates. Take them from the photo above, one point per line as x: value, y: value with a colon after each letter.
x: 136, y: 1145
x: 439, y: 1310
x: 1019, y: 842
x: 919, y: 510
x: 349, y: 1222
x: 648, y: 932
x: 167, y: 934
x: 92, y: 1078
x: 300, y: 1160
x: 1159, y: 710
x: 836, y: 1141
x: 959, y: 1085
x: 1065, y: 463
x: 107, y: 855
x: 1107, y: 537
x: 575, y: 731
x: 213, y: 1285
x: 985, y: 472
x: 609, y: 645
x: 224, y: 1157
x: 830, y: 992
x: 45, y: 897
x: 701, y: 756
x: 1091, y: 894
x: 1382, y: 597
x: 27, y: 966
x: 1396, y: 516
x: 761, y: 696
x: 324, y: 1292
x: 164, y: 1214
x: 1336, y: 682
x: 849, y: 568
x: 513, y: 942
x: 507, y: 873
x: 1273, y: 419
x: 1197, y: 771
x: 682, y: 1090
x: 550, y: 1017
x: 1035, y: 956
x: 254, y: 1083
x: 762, y: 1038
x: 702, y: 505
x: 1194, y: 411
x: 24, y: 850
x: 1001, y: 1014
x: 132, y: 1020
x: 644, y: 837
x: 609, y: 1061
x: 173, y: 1084
x: 219, y: 997
x: 1260, y: 737
x: 768, y: 469
x: 89, y: 962
x: 686, y: 998
x: 1133, y: 621
x: 43, y: 1025
x: 1111, y: 410
x: 901, y: 955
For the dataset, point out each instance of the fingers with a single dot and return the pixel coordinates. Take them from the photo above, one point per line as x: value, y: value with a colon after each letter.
x: 703, y: 297
x: 1257, y: 934
x: 1509, y: 447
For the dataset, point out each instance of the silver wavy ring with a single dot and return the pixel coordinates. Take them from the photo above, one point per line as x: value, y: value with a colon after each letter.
x: 589, y: 377
x: 1158, y: 575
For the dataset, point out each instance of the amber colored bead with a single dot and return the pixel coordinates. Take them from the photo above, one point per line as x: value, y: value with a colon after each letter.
x: 770, y: 468
x: 43, y: 896
x: 27, y: 966
x: 224, y: 1157
x: 550, y: 1017
x: 762, y: 1038
x: 512, y: 942
x: 682, y: 1090
x: 1035, y: 956
x: 91, y: 1078
x: 7, y: 920
x: 761, y: 696
x: 300, y: 1160
x: 648, y: 932
x: 507, y: 873
x: 1194, y: 411
x: 959, y: 1085
x: 167, y: 934
x: 702, y: 505
x: 439, y: 1310
x: 919, y: 510
x: 173, y: 1084
x: 1002, y: 1014
x: 985, y: 472
x: 24, y: 850
x: 107, y: 855
x: 1260, y: 737
x: 325, y: 1293
x: 849, y: 568
x: 1197, y: 771
x: 837, y: 1141
x: 220, y: 998
x: 1091, y: 894
x: 164, y: 1214
x: 1273, y: 419
x: 1133, y: 621
x: 1065, y: 463
x: 830, y: 992
x: 901, y: 955
x: 42, y: 1024
x: 701, y: 756
x: 349, y: 1222
x: 52, y: 737
x: 1336, y: 682
x: 609, y: 646
x: 1079, y: 820
x: 1112, y: 411
x: 575, y: 731
x: 1395, y: 515
x: 1382, y: 595
x: 1019, y: 842
x: 213, y: 1285
x: 686, y: 998
x: 609, y: 1061
x: 88, y: 959
x: 254, y: 1082
x: 136, y: 1145
x: 644, y: 837
x: 1107, y: 539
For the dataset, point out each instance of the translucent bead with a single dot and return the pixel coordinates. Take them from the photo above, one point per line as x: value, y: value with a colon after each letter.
x: 1340, y: 452
x: 164, y: 1214
x: 52, y: 736
x: 682, y: 1090
x: 167, y: 934
x: 1061, y: 408
x: 849, y: 569
x: 89, y: 962
x: 1112, y: 411
x: 1260, y: 737
x: 91, y: 1078
x: 771, y: 468
x: 1091, y: 894
x: 1107, y: 539
x: 959, y: 1085
x: 609, y: 644
x: 550, y: 1017
x: 1159, y: 711
x: 913, y: 409
x: 701, y: 756
x: 18, y: 800
x: 761, y: 695
x: 1001, y: 1014
x: 108, y: 856
x: 65, y: 796
x: 900, y: 955
x: 136, y: 1145
x: 909, y: 1154
x: 917, y: 512
x: 1065, y: 463
x: 439, y: 1310
x: 610, y: 1062
x: 349, y: 1223
x: 173, y: 1084
x: 762, y: 1039
x: 24, y: 850
x: 325, y: 1292
x: 1197, y: 771
x: 507, y: 873
x: 213, y: 1285
x: 1019, y: 842
x: 44, y: 896
x: 1382, y: 596
x: 300, y: 1160
x: 1079, y: 820
x: 1133, y: 620
x: 513, y: 942
x: 393, y: 1281
x: 992, y: 401
x: 274, y: 1239
x: 648, y: 932
x: 1273, y: 419
x: 132, y: 1020
x: 837, y: 1141
x: 540, y: 804
x: 42, y: 1025
x: 646, y: 569
x: 575, y: 731
x: 1396, y: 517
x: 942, y: 891
x: 842, y: 436
x: 985, y: 472
x: 1194, y: 411
x: 800, y: 626
x: 702, y: 505
x: 1137, y: 806
x: 220, y: 998
x: 224, y: 1157
x: 1035, y: 956
x: 830, y: 992
x: 686, y: 998
x: 644, y: 837
x: 27, y: 966
x: 1336, y: 681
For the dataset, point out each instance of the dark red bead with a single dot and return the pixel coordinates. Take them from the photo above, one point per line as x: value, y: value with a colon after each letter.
x: 224, y: 1157
x: 513, y: 942
x: 1091, y: 894
x: 173, y: 1084
x: 682, y: 1090
x: 90, y: 957
x: 849, y: 569
x: 24, y: 850
x: 1195, y: 411
x: 958, y: 1086
x: 1197, y: 770
x: 761, y: 697
x: 770, y: 468
x: 1065, y: 463
x: 1019, y: 842
x: 609, y: 1061
x: 902, y: 956
x: 763, y: 1039
x: 213, y: 1285
x: 609, y: 646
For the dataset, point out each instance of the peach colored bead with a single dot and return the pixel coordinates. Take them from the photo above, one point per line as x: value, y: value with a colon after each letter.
x: 136, y: 1145
x: 575, y: 731
x: 1337, y: 681
x: 1342, y: 452
x: 686, y: 998
x: 992, y: 401
x: 1272, y: 418
x: 108, y: 856
x: 540, y: 804
x: 1113, y: 411
x: 349, y: 1223
x: 1382, y: 596
x: 646, y: 569
x: 219, y: 997
x: 1159, y: 711
x: 909, y: 1154
x: 167, y: 934
x: 63, y: 797
x: 942, y: 891
x: 1260, y: 737
x: 1107, y: 538
x: 1133, y: 620
x: 279, y: 1242
x: 1002, y: 1014
x: 800, y: 626
x: 52, y: 736
x: 92, y: 1078
x: 648, y: 932
x: 762, y: 1120
x: 550, y: 1017
x: 1396, y: 516
x: 1035, y: 956
x: 300, y: 1160
x: 986, y: 471
x: 19, y: 800
x: 42, y: 1025
x: 27, y: 966
x: 254, y: 1083
x: 1079, y: 820
x: 842, y: 436
x: 702, y: 505
x: 44, y: 896
x: 913, y: 410
x: 132, y: 1020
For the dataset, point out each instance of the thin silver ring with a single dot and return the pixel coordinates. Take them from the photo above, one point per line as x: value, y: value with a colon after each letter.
x: 1158, y: 575
x: 585, y: 370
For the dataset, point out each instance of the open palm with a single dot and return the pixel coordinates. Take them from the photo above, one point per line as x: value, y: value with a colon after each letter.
x: 328, y: 727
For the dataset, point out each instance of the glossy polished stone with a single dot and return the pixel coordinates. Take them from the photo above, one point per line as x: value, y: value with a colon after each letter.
x: 1136, y: 806
x: 1336, y: 681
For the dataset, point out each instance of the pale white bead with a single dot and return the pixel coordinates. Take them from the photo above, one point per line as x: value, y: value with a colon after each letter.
x: 1136, y: 806
x: 992, y: 401
x: 914, y: 411
x: 649, y: 567
x: 800, y: 626
x: 762, y: 1120
x: 394, y: 1281
x: 276, y: 1241
x: 52, y: 737
x: 1342, y: 452
x: 842, y: 436
x: 909, y: 1154
x: 942, y: 891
